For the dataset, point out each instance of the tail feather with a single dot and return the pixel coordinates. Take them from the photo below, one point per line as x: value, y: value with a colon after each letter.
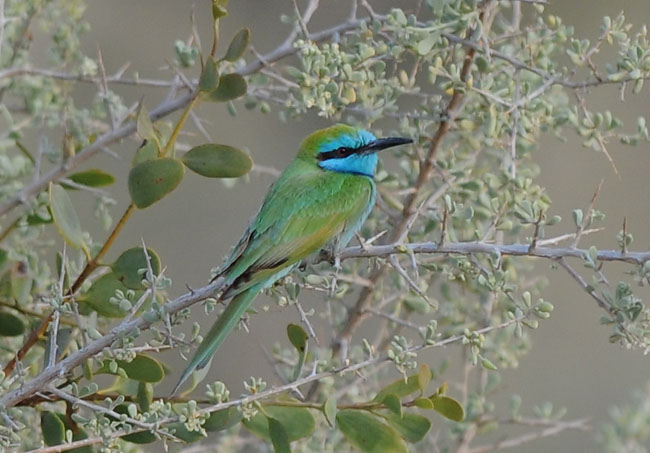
x: 218, y: 333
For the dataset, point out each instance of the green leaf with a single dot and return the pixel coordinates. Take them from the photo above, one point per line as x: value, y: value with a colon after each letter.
x: 99, y: 294
x: 148, y: 151
x: 218, y: 9
x: 10, y: 325
x: 77, y: 434
x: 231, y: 86
x: 143, y: 124
x: 91, y: 178
x: 297, y: 337
x: 144, y: 397
x: 393, y: 404
x: 52, y: 428
x: 217, y: 161
x: 128, y: 266
x: 297, y: 421
x: 150, y: 181
x: 21, y: 282
x: 65, y: 217
x: 142, y: 369
x: 368, y: 434
x: 330, y: 409
x: 209, y: 76
x: 448, y: 407
x: 279, y: 437
x: 423, y: 403
x: 399, y: 388
x: 36, y: 218
x: 181, y: 431
x: 238, y: 45
x: 425, y: 46
x: 412, y: 427
x: 142, y: 437
x: 424, y: 376
x: 223, y: 419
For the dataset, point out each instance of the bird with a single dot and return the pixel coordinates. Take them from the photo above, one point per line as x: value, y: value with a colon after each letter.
x: 322, y: 198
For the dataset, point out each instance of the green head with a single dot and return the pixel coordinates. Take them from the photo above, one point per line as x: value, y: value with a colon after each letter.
x: 346, y: 149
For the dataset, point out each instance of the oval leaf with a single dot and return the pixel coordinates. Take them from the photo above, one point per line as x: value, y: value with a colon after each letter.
x: 147, y: 151
x: 448, y: 407
x: 399, y: 388
x: 424, y: 376
x: 368, y: 434
x: 180, y: 430
x: 297, y: 337
x: 279, y: 437
x: 99, y: 294
x: 151, y: 180
x: 209, y: 76
x: 144, y: 397
x: 129, y: 266
x: 297, y: 422
x: 423, y: 403
x: 77, y: 434
x: 231, y: 86
x: 222, y: 419
x: 238, y: 45
x: 217, y: 161
x: 53, y: 428
x: 10, y: 325
x: 143, y: 124
x: 329, y: 410
x: 142, y: 437
x: 65, y: 216
x: 92, y: 178
x: 142, y: 369
x: 412, y: 427
x: 393, y: 404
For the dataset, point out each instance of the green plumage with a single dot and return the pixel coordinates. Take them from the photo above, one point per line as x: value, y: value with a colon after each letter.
x: 305, y: 208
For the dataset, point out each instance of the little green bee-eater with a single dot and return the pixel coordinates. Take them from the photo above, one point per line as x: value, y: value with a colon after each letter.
x: 323, y: 196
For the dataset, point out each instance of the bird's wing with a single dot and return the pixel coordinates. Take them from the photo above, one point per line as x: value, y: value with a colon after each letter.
x: 299, y: 215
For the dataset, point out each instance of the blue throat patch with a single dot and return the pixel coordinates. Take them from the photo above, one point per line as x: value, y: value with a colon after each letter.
x: 355, y: 164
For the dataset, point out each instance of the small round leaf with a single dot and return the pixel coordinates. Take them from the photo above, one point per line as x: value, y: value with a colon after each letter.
x: 297, y: 337
x: 142, y: 369
x: 92, y: 178
x: 297, y: 421
x: 129, y: 266
x: 209, y: 76
x: 217, y: 161
x: 151, y: 180
x: 222, y: 419
x: 238, y: 45
x: 412, y: 427
x: 99, y: 294
x: 231, y: 86
x: 53, y: 428
x: 10, y: 325
x: 65, y: 216
x: 368, y: 434
x: 279, y: 436
x: 448, y: 407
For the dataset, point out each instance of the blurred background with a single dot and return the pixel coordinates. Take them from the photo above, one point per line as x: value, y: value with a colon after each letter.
x: 195, y: 226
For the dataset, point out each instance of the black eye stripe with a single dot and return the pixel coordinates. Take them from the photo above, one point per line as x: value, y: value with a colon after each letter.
x: 338, y: 153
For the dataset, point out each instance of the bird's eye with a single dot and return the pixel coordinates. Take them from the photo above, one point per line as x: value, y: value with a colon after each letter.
x: 342, y: 151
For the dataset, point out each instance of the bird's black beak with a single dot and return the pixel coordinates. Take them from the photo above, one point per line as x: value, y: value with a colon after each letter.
x: 383, y: 143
